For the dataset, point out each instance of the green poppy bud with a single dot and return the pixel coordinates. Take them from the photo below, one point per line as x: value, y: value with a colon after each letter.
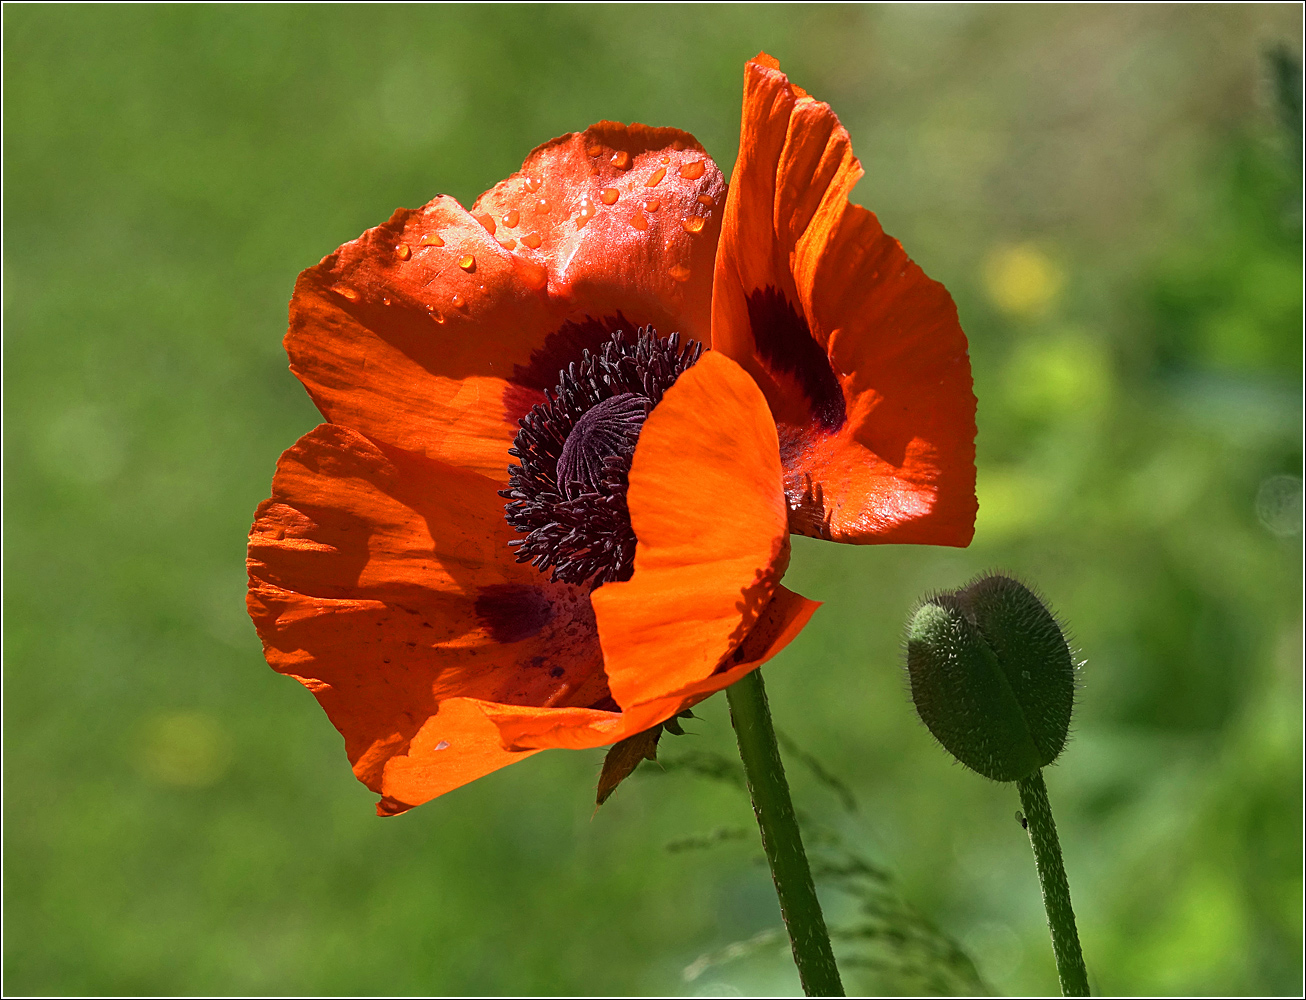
x: 992, y: 676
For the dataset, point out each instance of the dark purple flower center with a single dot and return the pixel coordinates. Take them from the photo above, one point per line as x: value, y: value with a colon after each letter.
x: 568, y: 495
x: 609, y: 430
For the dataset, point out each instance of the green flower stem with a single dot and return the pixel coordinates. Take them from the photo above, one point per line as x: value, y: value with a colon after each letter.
x: 781, y: 839
x: 1052, y: 880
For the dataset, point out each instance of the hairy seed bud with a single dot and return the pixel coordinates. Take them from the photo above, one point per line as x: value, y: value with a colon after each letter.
x: 992, y: 677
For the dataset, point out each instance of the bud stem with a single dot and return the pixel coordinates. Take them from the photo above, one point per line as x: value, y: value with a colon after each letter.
x: 781, y: 839
x: 1052, y: 880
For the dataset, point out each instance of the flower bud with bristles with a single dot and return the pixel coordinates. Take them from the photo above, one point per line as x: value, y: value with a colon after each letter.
x: 992, y: 676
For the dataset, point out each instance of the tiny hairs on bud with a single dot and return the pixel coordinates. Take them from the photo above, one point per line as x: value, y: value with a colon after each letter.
x: 992, y: 676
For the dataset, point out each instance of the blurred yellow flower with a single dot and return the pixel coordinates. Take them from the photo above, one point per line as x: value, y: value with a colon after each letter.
x: 185, y: 749
x: 1021, y: 280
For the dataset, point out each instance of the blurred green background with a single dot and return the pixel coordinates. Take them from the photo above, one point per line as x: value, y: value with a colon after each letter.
x: 1110, y: 193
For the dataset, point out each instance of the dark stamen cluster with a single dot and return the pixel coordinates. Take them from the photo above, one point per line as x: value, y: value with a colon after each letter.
x: 580, y: 527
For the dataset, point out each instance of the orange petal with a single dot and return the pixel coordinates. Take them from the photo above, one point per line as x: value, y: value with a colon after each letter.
x: 524, y: 728
x: 860, y: 355
x: 383, y: 582
x: 440, y: 352
x: 609, y: 264
x: 456, y: 745
x: 707, y: 505
x: 418, y: 358
x: 704, y: 604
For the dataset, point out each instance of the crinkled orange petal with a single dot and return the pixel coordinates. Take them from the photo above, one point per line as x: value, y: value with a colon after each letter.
x: 579, y: 193
x: 860, y: 355
x: 578, y: 728
x: 383, y: 582
x: 436, y: 331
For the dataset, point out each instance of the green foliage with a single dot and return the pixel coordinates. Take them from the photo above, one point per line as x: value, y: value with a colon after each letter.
x: 883, y: 945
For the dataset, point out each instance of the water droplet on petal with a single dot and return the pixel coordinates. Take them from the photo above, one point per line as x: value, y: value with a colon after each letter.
x: 385, y: 300
x: 442, y: 745
x: 621, y: 159
x: 508, y: 244
x: 639, y: 222
x: 694, y: 224
x: 595, y: 149
x: 587, y: 212
x: 692, y: 171
x: 437, y: 316
x: 487, y: 221
x: 542, y: 206
x: 432, y: 240
x: 532, y: 184
x: 458, y: 301
x: 655, y: 178
x: 679, y: 272
x: 345, y: 293
x: 706, y: 199
x: 512, y: 218
x: 664, y: 158
x: 609, y: 196
x: 403, y: 252
x: 467, y: 263
x: 532, y: 240
x: 652, y: 205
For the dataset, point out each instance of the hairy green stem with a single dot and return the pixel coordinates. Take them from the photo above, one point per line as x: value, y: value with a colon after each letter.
x: 1052, y: 880
x: 781, y: 839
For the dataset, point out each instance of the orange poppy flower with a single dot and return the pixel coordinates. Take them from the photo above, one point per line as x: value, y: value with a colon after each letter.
x: 635, y: 566
x: 860, y: 355
x: 521, y: 352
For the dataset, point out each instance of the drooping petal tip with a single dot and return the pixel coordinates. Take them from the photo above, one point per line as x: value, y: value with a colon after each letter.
x: 860, y: 355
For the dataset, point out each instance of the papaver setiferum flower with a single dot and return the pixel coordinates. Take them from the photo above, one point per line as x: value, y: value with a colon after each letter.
x: 540, y: 514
